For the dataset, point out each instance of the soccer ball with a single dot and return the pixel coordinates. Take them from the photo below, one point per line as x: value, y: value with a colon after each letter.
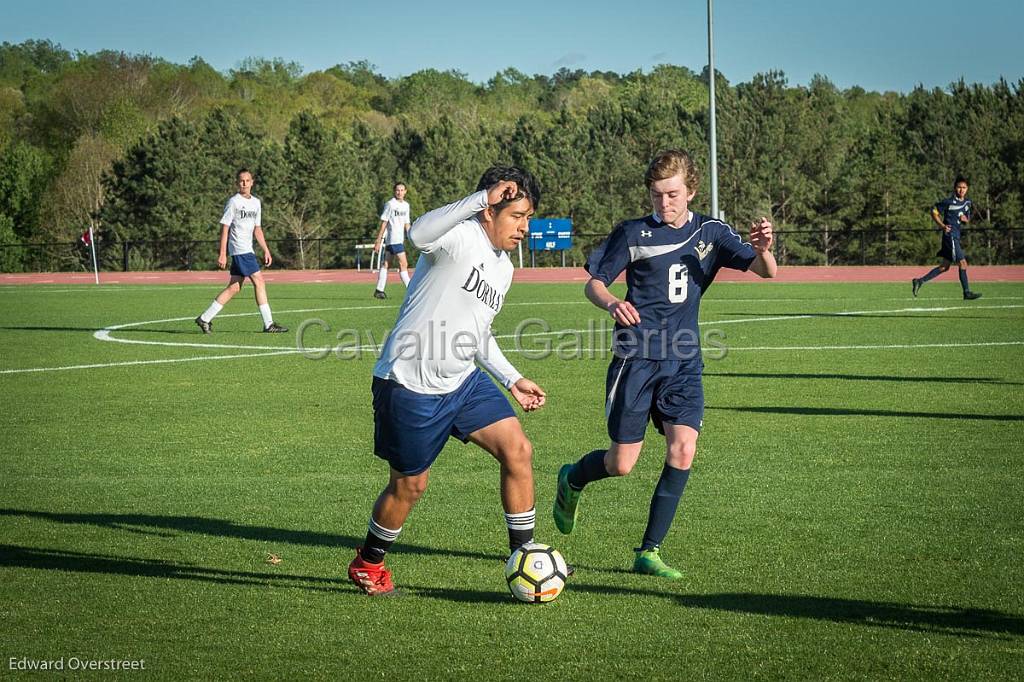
x: 536, y: 573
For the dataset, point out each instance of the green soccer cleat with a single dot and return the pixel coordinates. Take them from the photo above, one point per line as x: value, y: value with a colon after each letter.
x: 649, y: 562
x: 566, y: 501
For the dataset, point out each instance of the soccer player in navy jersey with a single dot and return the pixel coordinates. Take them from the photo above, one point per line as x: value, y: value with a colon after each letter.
x: 670, y: 259
x: 949, y: 214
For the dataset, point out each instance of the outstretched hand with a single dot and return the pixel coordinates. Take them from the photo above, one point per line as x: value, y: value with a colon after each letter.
x: 529, y: 395
x: 505, y: 190
x: 761, y: 235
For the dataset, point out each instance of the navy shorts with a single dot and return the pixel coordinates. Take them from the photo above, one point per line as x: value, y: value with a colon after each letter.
x: 664, y: 391
x: 951, y: 250
x: 244, y: 265
x: 394, y: 249
x: 410, y: 429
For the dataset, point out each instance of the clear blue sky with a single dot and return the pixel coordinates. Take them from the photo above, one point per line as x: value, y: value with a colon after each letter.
x: 879, y: 45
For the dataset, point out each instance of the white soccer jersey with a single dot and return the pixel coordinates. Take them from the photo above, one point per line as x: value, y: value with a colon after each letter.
x: 242, y: 216
x: 444, y: 325
x: 396, y: 214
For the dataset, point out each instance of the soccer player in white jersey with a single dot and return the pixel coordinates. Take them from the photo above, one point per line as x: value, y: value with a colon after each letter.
x: 394, y: 221
x: 239, y: 224
x: 426, y: 384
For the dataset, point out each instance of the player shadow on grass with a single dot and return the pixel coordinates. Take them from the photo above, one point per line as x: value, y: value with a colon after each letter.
x: 949, y: 620
x: 854, y: 412
x: 963, y: 622
x: 171, y: 526
x: 988, y: 381
x: 15, y: 556
x: 83, y: 562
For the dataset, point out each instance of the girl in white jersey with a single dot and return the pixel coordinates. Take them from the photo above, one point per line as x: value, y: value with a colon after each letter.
x: 427, y: 386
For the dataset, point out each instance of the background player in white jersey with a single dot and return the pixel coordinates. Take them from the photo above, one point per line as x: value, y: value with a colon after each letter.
x: 394, y: 221
x: 670, y: 259
x: 426, y: 385
x: 239, y: 224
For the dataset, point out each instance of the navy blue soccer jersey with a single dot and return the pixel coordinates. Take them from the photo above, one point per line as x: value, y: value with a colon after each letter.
x: 949, y: 211
x: 667, y: 269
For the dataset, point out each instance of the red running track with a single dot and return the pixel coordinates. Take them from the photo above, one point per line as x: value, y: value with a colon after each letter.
x: 869, y: 273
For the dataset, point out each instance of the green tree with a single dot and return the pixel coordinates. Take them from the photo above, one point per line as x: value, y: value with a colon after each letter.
x: 24, y: 175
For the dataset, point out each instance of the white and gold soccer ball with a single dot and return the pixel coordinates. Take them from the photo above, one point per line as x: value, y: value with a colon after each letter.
x: 536, y: 573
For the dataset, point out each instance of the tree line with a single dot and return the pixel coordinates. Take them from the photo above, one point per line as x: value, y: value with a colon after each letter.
x: 145, y: 151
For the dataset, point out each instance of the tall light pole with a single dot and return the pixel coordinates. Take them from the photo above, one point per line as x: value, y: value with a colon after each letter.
x: 711, y: 99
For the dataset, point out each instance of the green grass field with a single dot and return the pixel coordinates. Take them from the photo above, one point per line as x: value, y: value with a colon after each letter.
x: 855, y: 510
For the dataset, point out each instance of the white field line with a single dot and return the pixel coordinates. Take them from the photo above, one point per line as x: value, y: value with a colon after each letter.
x: 888, y: 346
x: 145, y: 362
x: 895, y: 346
x: 105, y: 335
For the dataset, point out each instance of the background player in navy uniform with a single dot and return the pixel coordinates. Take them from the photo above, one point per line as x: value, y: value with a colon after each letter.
x: 670, y: 259
x: 949, y: 214
x: 426, y: 384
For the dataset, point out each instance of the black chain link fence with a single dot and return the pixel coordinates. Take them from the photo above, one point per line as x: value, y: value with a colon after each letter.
x: 817, y: 246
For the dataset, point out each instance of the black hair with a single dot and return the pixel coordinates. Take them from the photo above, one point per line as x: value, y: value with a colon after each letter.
x: 528, y: 186
x: 395, y: 186
x: 238, y: 174
x: 960, y: 179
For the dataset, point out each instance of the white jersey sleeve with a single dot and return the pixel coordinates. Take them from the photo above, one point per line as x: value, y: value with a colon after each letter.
x: 494, y: 361
x: 443, y: 328
x: 385, y: 215
x: 229, y: 212
x: 433, y: 231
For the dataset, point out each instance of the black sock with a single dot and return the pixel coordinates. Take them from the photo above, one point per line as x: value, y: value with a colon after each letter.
x: 932, y: 274
x: 590, y: 468
x: 963, y: 280
x: 663, y: 505
x: 520, y: 528
x: 378, y: 541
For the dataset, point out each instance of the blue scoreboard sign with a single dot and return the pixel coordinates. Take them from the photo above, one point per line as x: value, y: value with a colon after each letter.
x: 550, y: 234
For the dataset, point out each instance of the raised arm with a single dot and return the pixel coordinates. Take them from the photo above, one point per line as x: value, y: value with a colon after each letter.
x: 762, y: 238
x: 430, y: 227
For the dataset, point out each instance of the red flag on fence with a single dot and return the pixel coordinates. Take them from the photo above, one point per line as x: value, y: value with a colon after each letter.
x: 86, y: 238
